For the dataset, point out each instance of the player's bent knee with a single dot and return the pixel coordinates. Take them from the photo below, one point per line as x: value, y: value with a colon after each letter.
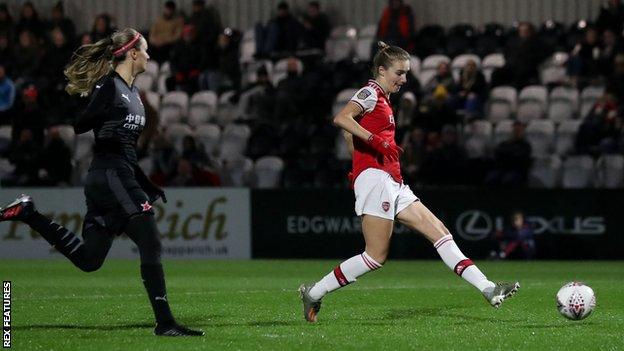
x: 91, y: 266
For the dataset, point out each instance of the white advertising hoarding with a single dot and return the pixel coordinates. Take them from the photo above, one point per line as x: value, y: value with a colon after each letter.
x: 194, y: 223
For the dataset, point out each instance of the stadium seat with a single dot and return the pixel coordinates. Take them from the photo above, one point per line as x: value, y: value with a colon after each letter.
x: 237, y: 171
x: 342, y: 149
x: 341, y: 99
x: 152, y: 69
x: 545, y: 172
x: 161, y: 84
x: 341, y: 43
x: 165, y: 68
x: 460, y: 39
x: 366, y: 38
x: 227, y: 110
x: 610, y: 171
x: 146, y: 164
x: 502, y: 131
x: 478, y: 138
x: 553, y: 70
x: 202, y: 107
x: 490, y: 63
x: 234, y: 140
x: 153, y: 98
x: 589, y: 96
x: 144, y: 82
x: 541, y: 135
x: 84, y: 145
x: 432, y: 61
x: 563, y: 104
x: 578, y: 172
x: 429, y: 67
x: 6, y: 168
x: 431, y: 39
x: 68, y: 135
x: 502, y: 103
x: 208, y: 135
x: 248, y: 46
x: 566, y: 135
x: 267, y: 171
x: 459, y: 62
x: 5, y: 137
x: 176, y: 133
x: 490, y: 40
x: 173, y: 107
x: 532, y: 103
x: 250, y: 69
x: 415, y: 66
x: 280, y: 70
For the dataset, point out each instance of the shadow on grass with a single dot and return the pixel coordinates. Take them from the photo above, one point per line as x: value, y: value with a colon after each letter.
x: 190, y: 321
x: 443, y: 312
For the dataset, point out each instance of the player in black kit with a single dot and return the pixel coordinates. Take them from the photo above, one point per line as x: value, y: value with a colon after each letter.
x: 119, y: 195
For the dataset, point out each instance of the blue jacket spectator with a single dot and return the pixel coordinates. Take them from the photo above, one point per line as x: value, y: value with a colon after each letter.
x: 7, y: 92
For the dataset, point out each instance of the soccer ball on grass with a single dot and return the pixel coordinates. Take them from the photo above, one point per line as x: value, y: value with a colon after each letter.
x: 576, y: 301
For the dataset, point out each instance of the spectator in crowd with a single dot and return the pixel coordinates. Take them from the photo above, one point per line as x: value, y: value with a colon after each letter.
x: 522, y: 58
x: 165, y: 160
x: 51, y: 80
x: 187, y: 57
x: 600, y: 131
x: 256, y: 101
x: 194, y: 152
x: 207, y: 22
x: 472, y: 90
x: 85, y: 39
x: 413, y: 145
x: 584, y: 58
x: 102, y: 27
x: 446, y: 163
x: 288, y: 97
x: 29, y: 21
x: 56, y: 160
x: 517, y: 240
x: 396, y: 26
x: 512, y: 160
x: 165, y: 31
x: 283, y: 33
x: 7, y: 96
x: 27, y: 56
x: 6, y: 53
x: 611, y: 16
x: 189, y: 174
x: 151, y: 127
x: 221, y: 71
x: 615, y: 81
x: 29, y: 115
x: 6, y: 21
x: 443, y: 77
x: 437, y: 112
x: 26, y: 157
x: 611, y: 46
x: 66, y: 25
x: 316, y: 27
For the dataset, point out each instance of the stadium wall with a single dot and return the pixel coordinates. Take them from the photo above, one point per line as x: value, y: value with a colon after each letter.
x: 569, y: 224
x: 307, y: 223
x: 243, y: 14
x: 195, y: 223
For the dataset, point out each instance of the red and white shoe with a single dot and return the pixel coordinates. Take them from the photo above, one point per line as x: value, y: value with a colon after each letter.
x: 18, y: 210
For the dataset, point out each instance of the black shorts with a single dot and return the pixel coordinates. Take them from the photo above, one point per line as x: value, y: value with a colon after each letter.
x: 114, y: 195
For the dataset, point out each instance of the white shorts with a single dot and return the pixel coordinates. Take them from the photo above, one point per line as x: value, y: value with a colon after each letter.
x: 378, y: 194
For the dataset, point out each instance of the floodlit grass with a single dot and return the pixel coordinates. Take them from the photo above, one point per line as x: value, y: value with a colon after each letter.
x: 253, y: 305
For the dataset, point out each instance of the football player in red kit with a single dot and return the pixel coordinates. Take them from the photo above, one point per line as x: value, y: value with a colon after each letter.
x: 380, y: 194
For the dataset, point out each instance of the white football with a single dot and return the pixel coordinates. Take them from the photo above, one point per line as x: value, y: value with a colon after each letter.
x: 576, y: 301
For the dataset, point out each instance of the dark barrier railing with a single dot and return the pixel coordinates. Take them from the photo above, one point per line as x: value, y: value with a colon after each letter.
x: 568, y: 224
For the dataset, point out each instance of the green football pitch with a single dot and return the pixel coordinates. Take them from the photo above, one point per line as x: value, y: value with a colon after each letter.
x: 253, y: 305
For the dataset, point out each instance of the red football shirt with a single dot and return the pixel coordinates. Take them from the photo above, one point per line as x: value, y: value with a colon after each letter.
x: 377, y: 118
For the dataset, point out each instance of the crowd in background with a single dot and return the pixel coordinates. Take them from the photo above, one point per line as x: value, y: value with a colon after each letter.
x: 289, y: 118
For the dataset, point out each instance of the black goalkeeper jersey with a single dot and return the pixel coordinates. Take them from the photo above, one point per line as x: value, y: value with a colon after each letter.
x: 117, y: 116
